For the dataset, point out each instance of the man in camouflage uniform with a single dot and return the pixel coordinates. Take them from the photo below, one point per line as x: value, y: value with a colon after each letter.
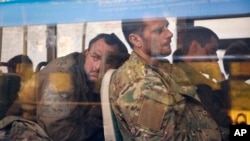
x: 151, y: 99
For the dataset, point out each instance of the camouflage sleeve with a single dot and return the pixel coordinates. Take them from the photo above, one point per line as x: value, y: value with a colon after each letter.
x: 151, y: 110
x: 143, y: 104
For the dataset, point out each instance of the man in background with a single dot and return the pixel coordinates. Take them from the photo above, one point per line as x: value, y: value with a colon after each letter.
x: 198, y: 58
x: 21, y: 65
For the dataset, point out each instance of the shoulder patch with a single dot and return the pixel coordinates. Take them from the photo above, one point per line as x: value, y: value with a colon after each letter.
x: 152, y: 114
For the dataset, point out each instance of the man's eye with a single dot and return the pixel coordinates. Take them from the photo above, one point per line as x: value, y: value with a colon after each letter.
x: 158, y: 30
x: 95, y: 58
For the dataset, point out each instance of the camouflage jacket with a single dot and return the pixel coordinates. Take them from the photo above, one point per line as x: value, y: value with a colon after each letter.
x: 152, y: 103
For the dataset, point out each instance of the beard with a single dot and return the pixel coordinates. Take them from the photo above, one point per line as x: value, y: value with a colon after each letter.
x: 93, y: 76
x: 161, y: 53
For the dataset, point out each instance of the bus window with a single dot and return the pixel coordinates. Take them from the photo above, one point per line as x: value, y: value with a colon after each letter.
x: 64, y: 27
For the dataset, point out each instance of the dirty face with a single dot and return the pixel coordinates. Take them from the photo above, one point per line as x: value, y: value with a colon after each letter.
x: 93, y: 58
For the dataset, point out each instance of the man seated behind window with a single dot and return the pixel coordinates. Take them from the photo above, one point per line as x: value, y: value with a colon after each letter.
x: 151, y: 99
x: 68, y: 105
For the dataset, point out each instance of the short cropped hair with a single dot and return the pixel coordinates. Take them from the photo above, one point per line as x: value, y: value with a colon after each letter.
x: 110, y: 39
x: 18, y: 59
x: 132, y: 26
x: 201, y: 34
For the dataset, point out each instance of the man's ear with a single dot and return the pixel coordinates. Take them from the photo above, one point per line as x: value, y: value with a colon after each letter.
x: 86, y: 51
x: 194, y: 47
x: 135, y: 40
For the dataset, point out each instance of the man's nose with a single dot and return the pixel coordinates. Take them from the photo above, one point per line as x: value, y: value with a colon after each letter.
x: 168, y: 33
x: 97, y: 65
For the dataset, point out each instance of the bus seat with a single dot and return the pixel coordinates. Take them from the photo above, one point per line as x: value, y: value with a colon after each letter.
x: 40, y: 65
x: 9, y: 87
x: 111, y: 130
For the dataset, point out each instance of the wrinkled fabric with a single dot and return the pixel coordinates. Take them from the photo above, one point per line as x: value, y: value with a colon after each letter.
x: 158, y: 103
x: 13, y: 128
